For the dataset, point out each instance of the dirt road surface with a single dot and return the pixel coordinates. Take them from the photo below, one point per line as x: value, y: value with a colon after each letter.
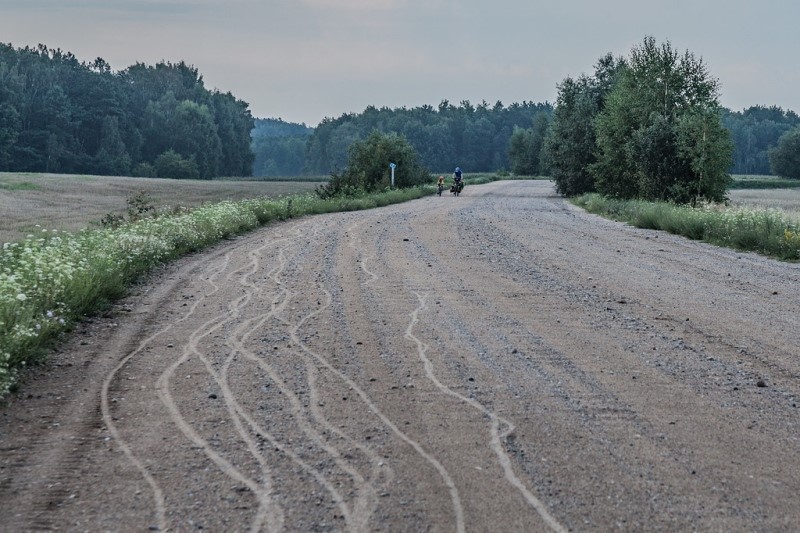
x: 501, y: 361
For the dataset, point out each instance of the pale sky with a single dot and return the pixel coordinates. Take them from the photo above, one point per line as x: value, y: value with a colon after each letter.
x: 304, y: 60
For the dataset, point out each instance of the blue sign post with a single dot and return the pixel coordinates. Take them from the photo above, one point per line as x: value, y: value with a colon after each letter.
x: 392, y: 166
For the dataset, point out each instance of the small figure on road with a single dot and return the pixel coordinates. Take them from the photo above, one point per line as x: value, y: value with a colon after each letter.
x: 440, y: 185
x: 458, y: 184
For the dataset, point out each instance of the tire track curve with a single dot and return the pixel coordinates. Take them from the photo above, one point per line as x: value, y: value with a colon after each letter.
x: 498, y: 436
x: 158, y: 494
x: 455, y: 497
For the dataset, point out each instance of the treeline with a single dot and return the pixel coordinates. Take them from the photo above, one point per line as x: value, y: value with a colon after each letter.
x: 475, y: 138
x: 754, y: 131
x: 279, y: 147
x: 511, y: 138
x: 59, y: 114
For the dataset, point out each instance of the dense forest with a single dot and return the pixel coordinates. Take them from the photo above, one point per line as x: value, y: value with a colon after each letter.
x: 279, y: 147
x: 58, y: 114
x: 473, y: 137
x: 754, y: 131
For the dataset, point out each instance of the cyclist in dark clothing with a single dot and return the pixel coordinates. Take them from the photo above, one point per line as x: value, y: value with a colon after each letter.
x: 458, y: 184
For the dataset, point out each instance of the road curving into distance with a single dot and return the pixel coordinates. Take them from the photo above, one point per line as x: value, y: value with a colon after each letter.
x: 500, y: 361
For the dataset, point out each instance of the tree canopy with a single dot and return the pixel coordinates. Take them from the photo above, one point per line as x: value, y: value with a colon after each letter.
x: 754, y: 131
x: 58, y: 114
x: 475, y: 138
x: 785, y: 157
x: 279, y: 147
x: 570, y: 147
x: 659, y: 135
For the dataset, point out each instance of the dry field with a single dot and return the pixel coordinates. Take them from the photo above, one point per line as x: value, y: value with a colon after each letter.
x: 785, y: 199
x: 30, y: 202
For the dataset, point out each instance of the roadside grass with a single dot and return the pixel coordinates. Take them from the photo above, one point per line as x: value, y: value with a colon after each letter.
x: 479, y: 178
x: 764, y: 230
x: 50, y: 280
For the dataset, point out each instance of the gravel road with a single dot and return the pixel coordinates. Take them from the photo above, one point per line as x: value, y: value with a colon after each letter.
x: 500, y: 361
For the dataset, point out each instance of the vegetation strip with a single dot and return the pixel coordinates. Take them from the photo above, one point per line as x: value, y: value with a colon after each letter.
x: 764, y: 184
x: 771, y: 232
x: 47, y: 282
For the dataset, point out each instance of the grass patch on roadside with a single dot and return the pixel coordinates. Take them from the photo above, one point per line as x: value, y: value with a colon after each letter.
x: 50, y: 280
x: 480, y: 178
x: 767, y: 231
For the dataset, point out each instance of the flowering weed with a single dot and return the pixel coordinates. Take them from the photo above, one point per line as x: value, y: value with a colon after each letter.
x: 768, y: 231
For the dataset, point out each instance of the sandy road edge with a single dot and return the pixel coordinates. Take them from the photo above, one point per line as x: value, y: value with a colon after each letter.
x: 60, y: 401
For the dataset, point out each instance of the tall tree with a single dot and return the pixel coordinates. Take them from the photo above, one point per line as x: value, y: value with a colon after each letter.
x: 194, y: 135
x: 234, y: 124
x: 785, y: 158
x: 705, y: 144
x: 112, y: 157
x: 646, y: 133
x: 570, y: 147
x: 520, y: 152
x: 525, y: 147
x: 12, y: 85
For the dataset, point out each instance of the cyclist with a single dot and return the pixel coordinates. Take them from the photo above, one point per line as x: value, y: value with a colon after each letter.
x: 458, y: 184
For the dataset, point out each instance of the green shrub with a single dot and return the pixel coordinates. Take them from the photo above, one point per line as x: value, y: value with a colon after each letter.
x: 144, y: 170
x: 368, y: 167
x: 171, y: 164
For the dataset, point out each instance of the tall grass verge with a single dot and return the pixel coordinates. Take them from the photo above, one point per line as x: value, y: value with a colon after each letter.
x: 770, y: 232
x: 49, y: 281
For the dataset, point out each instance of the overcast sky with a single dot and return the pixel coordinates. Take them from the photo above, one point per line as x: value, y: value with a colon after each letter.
x: 304, y: 60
